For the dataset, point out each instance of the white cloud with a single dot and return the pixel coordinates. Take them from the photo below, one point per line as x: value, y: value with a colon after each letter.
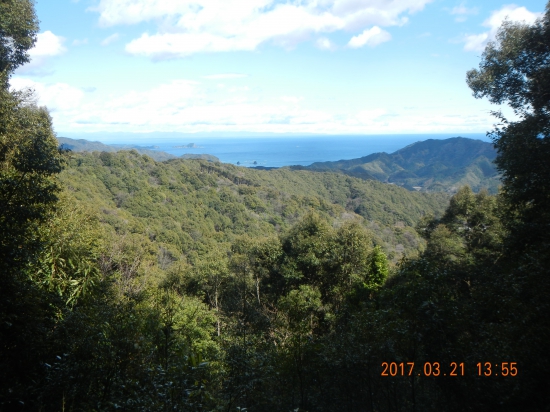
x: 324, y: 44
x: 368, y: 116
x: 371, y: 37
x: 180, y: 105
x: 110, y: 39
x: 47, y: 44
x: 192, y: 26
x: 224, y: 76
x: 57, y: 96
x: 191, y: 106
x: 477, y: 42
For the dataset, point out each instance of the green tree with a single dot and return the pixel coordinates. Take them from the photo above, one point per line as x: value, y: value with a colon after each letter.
x: 514, y: 70
x: 211, y: 275
x: 306, y: 250
x: 29, y: 161
x: 18, y: 28
x: 379, y: 269
x: 67, y: 264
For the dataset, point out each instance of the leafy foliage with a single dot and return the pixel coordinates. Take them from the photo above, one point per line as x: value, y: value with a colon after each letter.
x: 29, y: 159
x: 189, y: 206
x: 67, y: 263
x: 18, y: 28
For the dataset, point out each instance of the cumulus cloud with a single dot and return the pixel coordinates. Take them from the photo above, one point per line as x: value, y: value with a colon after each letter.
x: 186, y: 27
x: 47, y: 45
x: 477, y: 42
x: 371, y: 37
x: 110, y: 39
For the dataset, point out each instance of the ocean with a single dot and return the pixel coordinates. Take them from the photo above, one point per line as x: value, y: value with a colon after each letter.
x: 283, y: 150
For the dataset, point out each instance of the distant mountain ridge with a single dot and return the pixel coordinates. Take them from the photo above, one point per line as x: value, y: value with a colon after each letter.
x: 429, y: 165
x: 82, y: 145
x: 433, y: 165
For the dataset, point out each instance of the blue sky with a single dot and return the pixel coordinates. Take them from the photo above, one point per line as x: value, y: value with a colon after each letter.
x: 302, y: 66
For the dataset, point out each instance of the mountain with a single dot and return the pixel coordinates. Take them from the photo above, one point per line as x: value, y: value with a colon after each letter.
x: 194, y: 205
x: 430, y: 165
x: 83, y: 145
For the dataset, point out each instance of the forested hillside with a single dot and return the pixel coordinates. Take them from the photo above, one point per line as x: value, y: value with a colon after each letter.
x: 193, y: 205
x: 430, y: 165
x: 130, y: 284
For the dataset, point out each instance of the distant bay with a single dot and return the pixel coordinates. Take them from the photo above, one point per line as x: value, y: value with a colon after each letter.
x: 271, y: 151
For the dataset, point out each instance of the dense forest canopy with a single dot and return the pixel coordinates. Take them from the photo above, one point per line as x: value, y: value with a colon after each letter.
x: 130, y: 284
x: 194, y: 204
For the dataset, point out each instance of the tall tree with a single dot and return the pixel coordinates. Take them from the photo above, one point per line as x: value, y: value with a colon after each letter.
x: 515, y: 70
x: 29, y: 159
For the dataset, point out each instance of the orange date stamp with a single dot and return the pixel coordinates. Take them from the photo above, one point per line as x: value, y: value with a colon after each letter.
x: 452, y: 369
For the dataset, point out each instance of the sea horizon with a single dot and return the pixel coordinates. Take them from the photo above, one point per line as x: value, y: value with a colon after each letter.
x: 270, y: 150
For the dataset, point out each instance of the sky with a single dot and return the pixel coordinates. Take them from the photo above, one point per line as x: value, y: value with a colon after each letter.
x: 291, y: 66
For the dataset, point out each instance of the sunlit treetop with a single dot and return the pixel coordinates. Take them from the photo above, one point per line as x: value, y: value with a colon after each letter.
x: 18, y: 29
x: 515, y: 68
